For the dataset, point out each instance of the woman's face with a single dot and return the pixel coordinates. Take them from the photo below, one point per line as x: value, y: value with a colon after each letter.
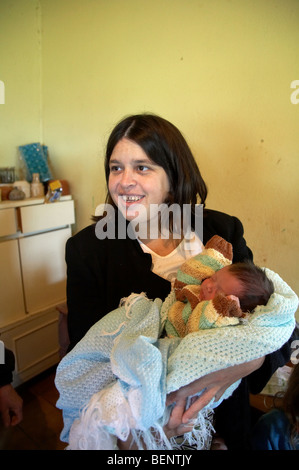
x: 135, y: 182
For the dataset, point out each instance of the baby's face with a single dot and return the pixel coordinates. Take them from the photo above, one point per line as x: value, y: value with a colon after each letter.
x: 222, y: 282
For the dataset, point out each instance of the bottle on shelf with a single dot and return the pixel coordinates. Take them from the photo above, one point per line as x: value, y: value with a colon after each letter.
x: 36, y: 187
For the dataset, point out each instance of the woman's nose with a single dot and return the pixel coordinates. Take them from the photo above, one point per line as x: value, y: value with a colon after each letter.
x: 127, y: 178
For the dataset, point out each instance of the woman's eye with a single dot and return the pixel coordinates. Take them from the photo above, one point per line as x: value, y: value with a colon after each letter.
x: 143, y: 168
x: 114, y: 168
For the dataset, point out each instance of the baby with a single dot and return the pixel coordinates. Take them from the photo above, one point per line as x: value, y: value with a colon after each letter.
x: 211, y: 292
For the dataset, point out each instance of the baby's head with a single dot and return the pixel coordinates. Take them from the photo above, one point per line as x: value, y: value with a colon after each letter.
x: 244, y: 280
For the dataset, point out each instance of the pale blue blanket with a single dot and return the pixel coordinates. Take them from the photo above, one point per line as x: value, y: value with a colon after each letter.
x: 121, y: 371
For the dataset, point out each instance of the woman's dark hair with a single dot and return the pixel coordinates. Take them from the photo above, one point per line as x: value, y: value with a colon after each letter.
x: 164, y: 144
x: 257, y: 288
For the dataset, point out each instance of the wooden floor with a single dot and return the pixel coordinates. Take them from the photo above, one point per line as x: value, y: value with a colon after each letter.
x: 42, y: 421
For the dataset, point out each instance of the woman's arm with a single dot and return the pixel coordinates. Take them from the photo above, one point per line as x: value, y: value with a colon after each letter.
x: 258, y: 378
x: 231, y: 229
x: 228, y: 227
x: 214, y: 384
x: 85, y: 293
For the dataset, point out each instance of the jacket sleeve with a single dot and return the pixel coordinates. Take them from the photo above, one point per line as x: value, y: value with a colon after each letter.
x: 240, y: 249
x: 228, y: 227
x: 85, y: 294
x: 7, y: 368
x: 258, y: 379
x: 231, y: 229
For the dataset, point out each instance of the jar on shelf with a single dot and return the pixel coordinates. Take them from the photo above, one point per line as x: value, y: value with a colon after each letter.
x: 36, y: 187
x: 24, y: 186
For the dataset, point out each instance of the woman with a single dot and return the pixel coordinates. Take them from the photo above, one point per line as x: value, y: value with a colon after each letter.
x: 148, y: 163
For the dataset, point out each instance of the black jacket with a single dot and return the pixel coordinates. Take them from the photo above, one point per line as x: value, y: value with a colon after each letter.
x: 101, y: 272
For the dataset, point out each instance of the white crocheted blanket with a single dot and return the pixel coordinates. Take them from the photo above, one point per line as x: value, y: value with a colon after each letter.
x: 114, y: 382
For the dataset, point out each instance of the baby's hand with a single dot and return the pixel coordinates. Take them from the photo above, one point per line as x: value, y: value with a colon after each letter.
x: 234, y: 298
x: 227, y: 306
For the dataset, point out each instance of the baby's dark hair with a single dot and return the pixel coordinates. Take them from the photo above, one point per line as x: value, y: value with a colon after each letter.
x: 257, y: 287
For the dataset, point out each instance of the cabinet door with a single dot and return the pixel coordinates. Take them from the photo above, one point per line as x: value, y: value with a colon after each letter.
x: 11, y: 291
x: 44, y: 269
x: 47, y: 216
x: 7, y: 222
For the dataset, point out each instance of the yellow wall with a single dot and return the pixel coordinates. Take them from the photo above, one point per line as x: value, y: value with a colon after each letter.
x: 220, y: 70
x: 20, y: 70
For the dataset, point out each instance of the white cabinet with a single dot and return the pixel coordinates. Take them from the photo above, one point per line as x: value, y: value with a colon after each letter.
x: 8, y: 224
x: 11, y: 289
x: 46, y: 216
x: 43, y: 267
x: 33, y: 280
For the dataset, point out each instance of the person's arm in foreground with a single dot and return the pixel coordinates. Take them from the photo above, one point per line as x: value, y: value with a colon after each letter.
x: 11, y: 404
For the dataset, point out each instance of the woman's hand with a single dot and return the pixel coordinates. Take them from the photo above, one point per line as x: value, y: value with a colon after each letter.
x: 214, y: 385
x: 176, y: 426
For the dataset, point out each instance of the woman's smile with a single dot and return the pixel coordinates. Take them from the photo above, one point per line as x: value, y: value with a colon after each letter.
x: 130, y: 198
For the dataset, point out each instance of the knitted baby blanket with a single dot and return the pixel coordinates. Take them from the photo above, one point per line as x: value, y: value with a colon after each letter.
x: 189, y: 314
x: 114, y: 382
